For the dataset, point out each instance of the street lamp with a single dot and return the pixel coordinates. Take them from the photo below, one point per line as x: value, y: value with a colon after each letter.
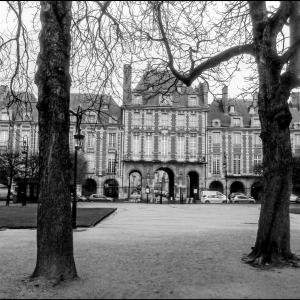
x: 115, y: 172
x: 162, y: 182
x: 225, y: 169
x: 25, y: 155
x: 78, y: 137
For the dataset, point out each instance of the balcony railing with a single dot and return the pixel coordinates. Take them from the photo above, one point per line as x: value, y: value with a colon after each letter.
x: 257, y: 145
x: 237, y: 145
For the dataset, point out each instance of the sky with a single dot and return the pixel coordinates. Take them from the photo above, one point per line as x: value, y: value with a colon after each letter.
x: 234, y: 85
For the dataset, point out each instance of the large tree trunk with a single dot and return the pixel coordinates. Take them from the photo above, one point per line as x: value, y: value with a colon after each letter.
x: 55, y: 258
x: 272, y: 245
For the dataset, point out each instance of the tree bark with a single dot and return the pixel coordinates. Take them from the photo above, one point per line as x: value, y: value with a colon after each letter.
x: 55, y: 258
x: 272, y: 246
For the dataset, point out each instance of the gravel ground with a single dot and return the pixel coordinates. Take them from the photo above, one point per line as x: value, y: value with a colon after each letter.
x: 156, y: 251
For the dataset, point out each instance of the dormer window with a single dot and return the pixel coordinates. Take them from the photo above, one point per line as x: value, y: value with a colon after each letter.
x: 26, y: 117
x: 296, y: 126
x: 105, y: 107
x: 72, y: 118
x: 150, y: 89
x: 5, y: 116
x: 165, y: 100
x: 193, y: 100
x: 179, y: 89
x: 236, y: 122
x: 231, y: 109
x: 256, y: 122
x: 112, y: 120
x: 137, y: 99
x: 216, y: 123
x: 252, y: 110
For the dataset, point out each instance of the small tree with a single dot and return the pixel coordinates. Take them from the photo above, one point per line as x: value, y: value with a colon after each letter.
x: 9, y: 169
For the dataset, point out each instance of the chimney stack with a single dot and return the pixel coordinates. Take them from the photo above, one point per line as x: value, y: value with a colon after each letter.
x: 127, y: 71
x: 255, y: 100
x: 225, y: 99
x: 203, y: 93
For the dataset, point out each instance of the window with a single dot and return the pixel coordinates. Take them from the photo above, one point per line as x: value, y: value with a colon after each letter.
x: 111, y: 163
x: 237, y: 139
x: 257, y: 160
x: 3, y: 137
x: 193, y: 100
x: 112, y: 120
x: 136, y: 144
x: 216, y: 163
x: 112, y: 138
x: 105, y: 106
x: 237, y: 122
x: 180, y: 146
x: 164, y: 145
x: 252, y: 110
x: 297, y: 141
x: 148, y: 119
x: 90, y: 140
x: 237, y: 164
x: 179, y: 89
x: 216, y: 139
x: 181, y: 120
x: 72, y: 118
x: 90, y: 158
x: 137, y: 99
x: 5, y: 116
x: 148, y: 146
x: 256, y: 123
x: 91, y: 118
x: 232, y: 109
x: 193, y: 121
x: 164, y: 119
x: 257, y: 141
x: 136, y: 119
x: 165, y: 99
x: 193, y: 146
x: 27, y: 116
x: 25, y: 133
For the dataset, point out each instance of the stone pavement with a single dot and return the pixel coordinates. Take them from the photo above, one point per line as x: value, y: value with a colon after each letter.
x: 157, y: 251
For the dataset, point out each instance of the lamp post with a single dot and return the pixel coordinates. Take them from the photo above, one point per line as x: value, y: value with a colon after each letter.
x: 162, y: 182
x: 25, y: 155
x: 225, y: 169
x: 115, y: 173
x: 147, y: 191
x: 78, y: 137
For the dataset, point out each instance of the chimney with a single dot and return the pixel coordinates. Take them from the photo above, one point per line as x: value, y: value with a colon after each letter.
x: 127, y: 84
x: 225, y: 99
x: 296, y: 100
x: 255, y: 100
x: 203, y: 93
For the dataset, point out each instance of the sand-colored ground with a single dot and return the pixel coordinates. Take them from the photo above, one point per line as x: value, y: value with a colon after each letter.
x: 156, y: 251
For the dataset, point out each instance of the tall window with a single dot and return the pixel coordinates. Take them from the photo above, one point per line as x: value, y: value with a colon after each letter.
x: 137, y: 99
x: 25, y: 133
x: 193, y: 121
x: 136, y: 119
x: 237, y: 139
x: 90, y: 158
x: 216, y: 139
x: 236, y: 164
x: 3, y: 137
x: 237, y: 122
x: 165, y: 99
x: 257, y: 160
x: 136, y: 144
x: 148, y: 146
x: 297, y: 141
x: 193, y: 146
x: 112, y: 140
x: 180, y: 146
x: 91, y: 118
x: 181, y: 120
x: 257, y: 141
x: 193, y: 100
x: 256, y: 122
x: 111, y: 165
x: 164, y: 145
x: 164, y: 119
x: 148, y: 119
x: 216, y: 163
x: 90, y: 140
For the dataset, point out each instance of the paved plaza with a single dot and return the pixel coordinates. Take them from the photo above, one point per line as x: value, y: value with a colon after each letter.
x: 156, y: 251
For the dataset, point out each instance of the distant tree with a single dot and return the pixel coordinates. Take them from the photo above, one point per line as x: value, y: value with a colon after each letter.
x: 258, y: 169
x: 10, y: 168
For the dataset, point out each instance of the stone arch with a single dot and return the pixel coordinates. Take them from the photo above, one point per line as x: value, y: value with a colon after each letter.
x: 256, y: 189
x: 193, y: 184
x: 89, y: 186
x: 111, y: 187
x: 135, y: 181
x: 216, y: 185
x: 167, y: 185
x: 237, y: 186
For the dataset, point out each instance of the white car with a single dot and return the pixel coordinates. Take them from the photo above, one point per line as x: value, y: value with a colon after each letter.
x: 214, y: 199
x: 293, y: 198
x: 242, y: 199
x: 100, y: 198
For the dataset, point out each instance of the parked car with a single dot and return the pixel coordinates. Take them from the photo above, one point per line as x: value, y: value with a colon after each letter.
x: 293, y: 198
x: 205, y: 194
x: 214, y: 199
x: 135, y: 195
x: 297, y: 199
x: 81, y: 198
x: 232, y: 195
x: 3, y: 194
x: 99, y: 197
x: 242, y: 199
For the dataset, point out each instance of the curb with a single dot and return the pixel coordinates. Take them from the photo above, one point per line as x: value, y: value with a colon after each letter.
x: 97, y: 222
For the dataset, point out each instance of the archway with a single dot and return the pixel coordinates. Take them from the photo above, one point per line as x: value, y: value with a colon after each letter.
x: 89, y: 187
x: 192, y: 184
x: 256, y: 190
x: 111, y: 188
x: 216, y: 186
x: 164, y: 181
x: 135, y: 182
x: 237, y: 187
